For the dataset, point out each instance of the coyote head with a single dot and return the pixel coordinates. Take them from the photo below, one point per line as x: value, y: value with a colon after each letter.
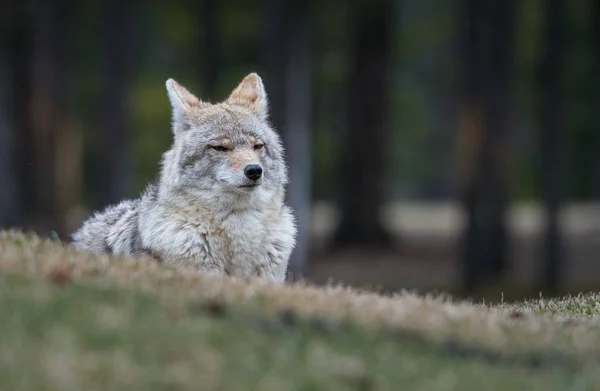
x: 226, y: 149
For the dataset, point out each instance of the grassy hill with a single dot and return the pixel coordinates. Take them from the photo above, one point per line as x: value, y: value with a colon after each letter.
x: 74, y: 321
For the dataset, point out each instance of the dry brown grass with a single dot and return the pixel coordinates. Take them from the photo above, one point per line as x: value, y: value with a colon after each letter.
x: 503, y: 328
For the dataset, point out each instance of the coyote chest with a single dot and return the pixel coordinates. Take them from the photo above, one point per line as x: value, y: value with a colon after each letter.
x: 241, y: 244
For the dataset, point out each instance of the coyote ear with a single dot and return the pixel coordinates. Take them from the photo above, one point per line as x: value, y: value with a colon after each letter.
x: 182, y: 101
x: 250, y: 93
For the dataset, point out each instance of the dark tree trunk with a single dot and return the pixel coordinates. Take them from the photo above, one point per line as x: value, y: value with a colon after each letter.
x: 595, y: 86
x: 10, y: 192
x: 362, y: 169
x: 209, y: 47
x: 297, y: 131
x: 496, y: 100
x: 275, y: 38
x: 21, y: 68
x: 114, y: 167
x: 53, y: 146
x: 288, y: 79
x: 487, y: 55
x: 470, y: 139
x: 551, y: 116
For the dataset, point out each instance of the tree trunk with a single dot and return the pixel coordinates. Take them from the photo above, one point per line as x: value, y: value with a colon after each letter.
x: 470, y: 140
x: 297, y: 132
x: 595, y: 104
x: 53, y: 148
x: 275, y: 39
x: 114, y: 167
x: 288, y: 78
x: 10, y: 194
x: 551, y: 116
x: 209, y: 47
x: 362, y: 168
x: 487, y: 55
x: 21, y: 68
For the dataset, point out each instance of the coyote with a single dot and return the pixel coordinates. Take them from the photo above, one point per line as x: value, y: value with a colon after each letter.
x: 218, y: 204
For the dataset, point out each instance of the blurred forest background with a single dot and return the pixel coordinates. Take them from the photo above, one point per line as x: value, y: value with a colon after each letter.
x: 433, y: 144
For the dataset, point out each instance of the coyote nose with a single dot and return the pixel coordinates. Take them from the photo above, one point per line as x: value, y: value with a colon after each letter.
x: 253, y: 171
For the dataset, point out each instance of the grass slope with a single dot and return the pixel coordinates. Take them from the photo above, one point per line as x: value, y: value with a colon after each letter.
x: 73, y: 321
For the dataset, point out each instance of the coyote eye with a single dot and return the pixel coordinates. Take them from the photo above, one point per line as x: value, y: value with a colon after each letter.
x: 219, y: 148
x: 259, y: 146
